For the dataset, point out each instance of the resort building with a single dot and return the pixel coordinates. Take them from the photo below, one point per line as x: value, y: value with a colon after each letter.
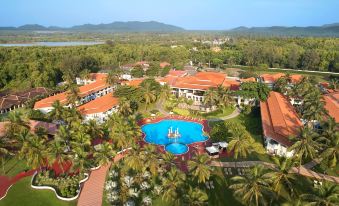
x: 87, y: 93
x: 13, y: 101
x: 100, y: 108
x: 279, y: 122
x: 93, y: 77
x: 270, y: 79
x: 332, y: 104
x: 51, y: 128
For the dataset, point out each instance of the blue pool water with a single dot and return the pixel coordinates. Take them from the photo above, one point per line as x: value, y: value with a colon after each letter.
x: 190, y: 132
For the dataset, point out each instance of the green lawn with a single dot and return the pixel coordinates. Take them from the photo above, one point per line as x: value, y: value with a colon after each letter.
x: 13, y: 166
x: 218, y: 113
x: 21, y: 193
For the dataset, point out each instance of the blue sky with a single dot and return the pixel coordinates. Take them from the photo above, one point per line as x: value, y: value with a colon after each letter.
x: 190, y: 14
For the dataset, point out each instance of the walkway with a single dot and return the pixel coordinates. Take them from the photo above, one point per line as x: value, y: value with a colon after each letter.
x: 160, y: 106
x: 93, y: 189
x: 235, y: 113
x: 7, y: 182
x: 304, y: 171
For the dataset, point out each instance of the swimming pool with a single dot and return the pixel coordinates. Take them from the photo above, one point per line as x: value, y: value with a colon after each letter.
x: 189, y: 132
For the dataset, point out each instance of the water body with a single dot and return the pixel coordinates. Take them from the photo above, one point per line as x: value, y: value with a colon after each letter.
x: 190, y: 132
x: 52, y: 44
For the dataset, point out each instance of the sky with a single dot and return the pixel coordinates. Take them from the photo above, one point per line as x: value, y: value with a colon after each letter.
x: 189, y: 14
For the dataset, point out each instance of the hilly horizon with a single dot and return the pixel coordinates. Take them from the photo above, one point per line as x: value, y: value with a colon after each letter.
x: 154, y: 26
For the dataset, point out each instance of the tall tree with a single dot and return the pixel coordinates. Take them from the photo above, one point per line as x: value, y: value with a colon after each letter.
x: 324, y: 195
x: 199, y: 168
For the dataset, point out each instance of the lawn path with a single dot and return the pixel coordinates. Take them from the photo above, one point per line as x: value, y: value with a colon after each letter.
x: 235, y: 113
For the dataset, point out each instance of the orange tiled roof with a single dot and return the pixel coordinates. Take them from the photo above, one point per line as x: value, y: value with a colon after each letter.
x: 279, y: 119
x: 232, y: 84
x: 272, y: 77
x: 62, y: 97
x: 201, y: 81
x: 164, y: 64
x: 295, y: 78
x: 133, y: 82
x: 47, y: 102
x: 332, y: 105
x: 98, y: 76
x: 101, y: 104
x: 251, y: 79
x: 176, y: 73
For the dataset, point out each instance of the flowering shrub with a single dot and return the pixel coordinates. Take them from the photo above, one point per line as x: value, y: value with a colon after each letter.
x: 67, y: 186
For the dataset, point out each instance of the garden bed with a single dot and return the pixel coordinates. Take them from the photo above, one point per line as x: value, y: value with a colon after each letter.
x: 65, y: 188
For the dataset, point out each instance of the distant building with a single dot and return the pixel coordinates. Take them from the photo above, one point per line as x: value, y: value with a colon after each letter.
x: 279, y: 122
x: 17, y: 100
x: 100, y: 108
x: 93, y: 77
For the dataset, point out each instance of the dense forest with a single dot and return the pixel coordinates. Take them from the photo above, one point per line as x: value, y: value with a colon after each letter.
x: 24, y: 67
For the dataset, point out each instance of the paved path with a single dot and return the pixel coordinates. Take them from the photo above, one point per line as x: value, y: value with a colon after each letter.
x: 303, y: 170
x: 160, y: 106
x: 235, y: 113
x: 93, y: 189
x: 7, y: 182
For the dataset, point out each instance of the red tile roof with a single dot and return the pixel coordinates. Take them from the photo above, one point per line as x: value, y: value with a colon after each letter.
x: 295, y: 78
x: 133, y: 82
x: 164, y: 64
x: 98, y: 76
x: 332, y: 105
x: 272, y: 77
x: 279, y: 119
x: 62, y: 97
x: 101, y: 104
x: 176, y: 73
x: 251, y: 79
x: 50, y: 127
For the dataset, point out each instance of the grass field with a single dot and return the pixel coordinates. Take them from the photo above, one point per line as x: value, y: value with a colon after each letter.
x: 21, y: 193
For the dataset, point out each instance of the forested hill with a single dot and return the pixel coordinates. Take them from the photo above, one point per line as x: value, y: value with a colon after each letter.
x: 130, y: 26
x: 325, y: 30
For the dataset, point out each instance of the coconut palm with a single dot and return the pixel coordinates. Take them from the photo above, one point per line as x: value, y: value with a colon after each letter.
x: 57, y: 152
x: 305, y: 145
x: 150, y: 159
x: 82, y: 140
x: 196, y: 197
x: 104, y: 154
x: 313, y: 106
x: 148, y: 94
x: 165, y: 92
x: 85, y: 74
x: 263, y: 91
x: 253, y: 188
x: 224, y: 96
x: 330, y: 134
x: 133, y: 160
x: 34, y: 152
x: 94, y: 129
x: 199, y: 167
x: 113, y: 77
x: 80, y: 160
x: 73, y: 95
x: 125, y: 107
x: 324, y: 195
x: 211, y: 97
x: 281, y: 177
x: 4, y: 151
x: 173, y: 185
x: 17, y: 122
x: 281, y: 85
x: 57, y: 111
x: 241, y: 143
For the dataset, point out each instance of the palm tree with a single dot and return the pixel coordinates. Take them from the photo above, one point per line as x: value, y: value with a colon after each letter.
x: 73, y: 95
x: 313, y: 106
x: 305, y: 145
x: 281, y: 177
x: 82, y: 140
x: 57, y: 111
x: 57, y: 152
x: 125, y: 107
x: 263, y: 91
x: 94, y: 129
x: 165, y: 92
x: 173, y: 185
x: 325, y: 195
x: 17, y: 122
x: 104, y: 154
x: 240, y: 142
x: 199, y: 168
x: 224, y: 96
x: 334, y: 84
x: 113, y: 77
x: 4, y: 144
x: 196, y: 197
x: 281, y: 85
x: 330, y: 134
x: 133, y: 160
x: 148, y: 94
x: 34, y: 151
x: 211, y: 97
x: 80, y: 160
x: 253, y: 188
